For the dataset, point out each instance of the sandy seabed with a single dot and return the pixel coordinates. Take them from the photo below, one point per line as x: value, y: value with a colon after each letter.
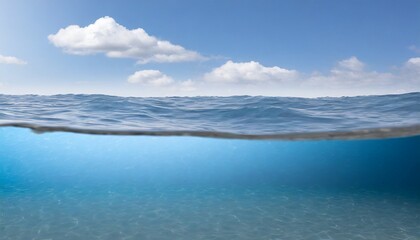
x: 206, y: 213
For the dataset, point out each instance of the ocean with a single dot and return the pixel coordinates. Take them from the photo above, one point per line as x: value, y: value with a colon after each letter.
x: 106, y: 167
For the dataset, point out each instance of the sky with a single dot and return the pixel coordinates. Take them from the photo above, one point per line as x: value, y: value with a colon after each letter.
x: 309, y: 48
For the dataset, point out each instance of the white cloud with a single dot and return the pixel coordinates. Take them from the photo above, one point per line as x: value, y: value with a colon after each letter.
x: 351, y: 64
x: 150, y: 77
x: 232, y: 72
x: 413, y: 63
x: 410, y: 72
x: 350, y: 74
x: 116, y: 41
x: 11, y: 60
x: 348, y: 78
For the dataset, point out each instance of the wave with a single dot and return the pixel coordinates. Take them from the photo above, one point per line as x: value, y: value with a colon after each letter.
x: 243, y: 117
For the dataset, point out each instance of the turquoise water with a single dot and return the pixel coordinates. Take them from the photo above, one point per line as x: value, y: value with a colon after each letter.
x: 79, y: 186
x: 105, y: 167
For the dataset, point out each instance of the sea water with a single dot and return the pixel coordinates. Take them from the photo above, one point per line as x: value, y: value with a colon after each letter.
x: 83, y: 172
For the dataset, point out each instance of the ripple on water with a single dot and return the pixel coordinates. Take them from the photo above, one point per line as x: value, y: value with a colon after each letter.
x: 232, y: 117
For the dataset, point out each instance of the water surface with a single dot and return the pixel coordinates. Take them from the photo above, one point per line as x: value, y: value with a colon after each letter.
x: 229, y: 117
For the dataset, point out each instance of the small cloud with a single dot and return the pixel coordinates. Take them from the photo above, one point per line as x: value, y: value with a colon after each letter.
x: 150, y: 77
x: 411, y: 71
x: 350, y: 74
x: 116, y: 41
x: 232, y: 72
x: 413, y: 63
x: 11, y: 60
x: 352, y: 64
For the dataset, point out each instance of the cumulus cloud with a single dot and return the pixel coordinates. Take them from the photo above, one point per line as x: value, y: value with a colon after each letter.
x: 11, y: 60
x: 116, y: 41
x: 411, y: 71
x: 348, y: 77
x: 351, y: 64
x: 350, y: 74
x: 150, y: 77
x: 232, y: 72
x: 413, y: 63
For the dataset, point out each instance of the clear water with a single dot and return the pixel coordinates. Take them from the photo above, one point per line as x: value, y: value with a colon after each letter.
x: 64, y: 185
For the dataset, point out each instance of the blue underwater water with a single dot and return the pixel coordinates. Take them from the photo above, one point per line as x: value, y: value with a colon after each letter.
x: 70, y: 185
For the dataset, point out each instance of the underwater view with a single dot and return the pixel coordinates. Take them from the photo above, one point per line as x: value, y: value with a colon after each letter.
x: 93, y: 180
x: 209, y: 120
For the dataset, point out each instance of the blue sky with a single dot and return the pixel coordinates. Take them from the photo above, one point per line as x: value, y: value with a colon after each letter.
x: 283, y: 48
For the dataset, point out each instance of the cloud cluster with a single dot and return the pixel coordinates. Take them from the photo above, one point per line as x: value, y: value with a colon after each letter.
x: 349, y: 74
x: 116, y: 41
x: 232, y: 72
x: 11, y: 60
x: 150, y: 77
x: 348, y: 77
